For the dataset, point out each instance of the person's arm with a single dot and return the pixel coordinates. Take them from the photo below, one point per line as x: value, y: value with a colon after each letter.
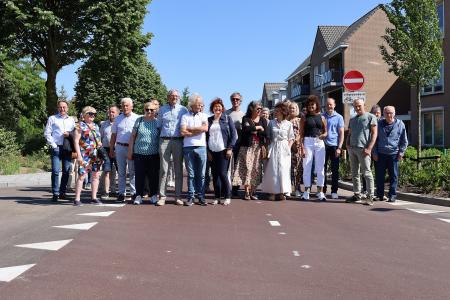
x: 131, y: 144
x: 373, y: 139
x: 324, y: 130
x: 340, y: 140
x: 291, y: 135
x: 347, y: 143
x: 48, y: 133
x: 248, y: 127
x: 403, y: 144
x: 112, y: 145
x: 76, y: 144
x: 302, y: 137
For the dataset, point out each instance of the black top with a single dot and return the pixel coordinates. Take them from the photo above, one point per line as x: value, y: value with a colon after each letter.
x: 248, y: 127
x: 313, y: 125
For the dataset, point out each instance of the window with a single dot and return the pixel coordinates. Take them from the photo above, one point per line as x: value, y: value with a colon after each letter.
x: 440, y: 13
x: 433, y: 128
x: 438, y: 85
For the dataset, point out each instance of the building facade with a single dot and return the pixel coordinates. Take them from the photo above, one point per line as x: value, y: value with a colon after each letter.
x: 273, y: 93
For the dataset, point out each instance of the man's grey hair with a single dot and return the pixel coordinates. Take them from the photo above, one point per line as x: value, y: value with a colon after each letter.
x: 126, y: 100
x: 375, y: 108
x: 389, y: 107
x: 194, y: 98
x: 358, y: 99
x: 170, y: 92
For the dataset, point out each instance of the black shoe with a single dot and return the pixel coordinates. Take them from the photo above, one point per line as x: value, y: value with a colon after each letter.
x: 352, y: 199
x: 121, y: 198
x: 55, y: 198
x: 133, y: 197
x: 189, y: 202
x: 392, y: 199
x: 203, y: 203
x: 96, y: 202
x: 62, y: 196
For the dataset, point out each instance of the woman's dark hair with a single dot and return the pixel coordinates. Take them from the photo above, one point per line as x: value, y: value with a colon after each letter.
x: 284, y: 108
x: 313, y: 99
x: 215, y: 101
x: 252, y: 106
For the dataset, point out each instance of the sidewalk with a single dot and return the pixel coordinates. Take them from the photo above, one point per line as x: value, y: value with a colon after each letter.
x: 21, y: 180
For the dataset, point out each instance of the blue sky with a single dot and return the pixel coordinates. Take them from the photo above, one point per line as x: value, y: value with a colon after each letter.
x: 217, y: 47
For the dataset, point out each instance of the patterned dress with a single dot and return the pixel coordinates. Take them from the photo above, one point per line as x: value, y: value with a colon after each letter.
x: 89, y: 141
x: 296, y: 158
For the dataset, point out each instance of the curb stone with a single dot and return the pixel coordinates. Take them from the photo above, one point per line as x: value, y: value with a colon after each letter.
x: 21, y: 180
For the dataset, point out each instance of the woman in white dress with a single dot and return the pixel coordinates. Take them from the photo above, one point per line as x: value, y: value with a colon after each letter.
x: 277, y: 175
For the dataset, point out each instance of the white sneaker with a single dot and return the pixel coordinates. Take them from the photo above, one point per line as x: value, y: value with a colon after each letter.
x: 287, y: 194
x: 104, y: 197
x: 138, y: 200
x: 305, y: 196
x: 178, y: 202
x: 321, y: 196
x: 334, y: 196
x: 161, y: 202
x: 171, y: 183
x: 214, y: 202
x: 227, y: 201
x: 298, y: 193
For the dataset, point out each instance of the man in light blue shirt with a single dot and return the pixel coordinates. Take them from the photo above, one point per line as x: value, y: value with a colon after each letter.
x: 333, y: 145
x: 58, y: 127
x: 171, y: 144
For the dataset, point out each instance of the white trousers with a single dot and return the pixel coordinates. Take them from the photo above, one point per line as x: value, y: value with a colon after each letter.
x: 315, y: 152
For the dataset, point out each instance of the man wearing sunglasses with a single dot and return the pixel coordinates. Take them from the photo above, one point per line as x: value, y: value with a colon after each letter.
x: 59, y: 126
x: 120, y: 135
x: 236, y: 115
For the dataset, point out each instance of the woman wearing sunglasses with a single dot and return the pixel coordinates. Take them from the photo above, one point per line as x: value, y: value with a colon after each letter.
x: 144, y: 151
x: 86, y: 141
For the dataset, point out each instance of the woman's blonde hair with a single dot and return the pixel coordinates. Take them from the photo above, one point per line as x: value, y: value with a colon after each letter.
x: 88, y: 109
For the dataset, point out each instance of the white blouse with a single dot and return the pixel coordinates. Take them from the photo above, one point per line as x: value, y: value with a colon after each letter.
x: 215, y: 142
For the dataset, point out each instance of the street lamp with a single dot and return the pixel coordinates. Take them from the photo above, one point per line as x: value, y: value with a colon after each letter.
x: 321, y: 89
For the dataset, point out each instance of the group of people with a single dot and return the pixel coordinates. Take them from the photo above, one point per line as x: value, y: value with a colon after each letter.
x: 278, y: 154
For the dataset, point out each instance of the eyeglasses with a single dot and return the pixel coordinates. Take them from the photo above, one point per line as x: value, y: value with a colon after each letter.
x: 235, y: 99
x: 91, y: 114
x: 150, y: 110
x: 259, y: 109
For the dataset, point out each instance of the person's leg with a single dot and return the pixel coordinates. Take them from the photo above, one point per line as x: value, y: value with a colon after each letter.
x: 380, y: 169
x: 365, y: 161
x: 393, y: 176
x: 112, y: 176
x: 56, y: 168
x: 307, y: 163
x: 95, y: 181
x: 154, y: 175
x: 188, y: 158
x: 235, y: 188
x: 222, y: 169
x: 164, y: 152
x: 177, y: 154
x: 334, y: 170
x: 140, y: 168
x: 201, y: 169
x: 319, y: 157
x: 130, y: 164
x: 78, y: 186
x: 354, y: 164
x: 66, y: 162
x: 121, y: 158
x: 215, y: 174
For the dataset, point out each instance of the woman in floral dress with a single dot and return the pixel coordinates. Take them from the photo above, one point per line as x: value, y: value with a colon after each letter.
x: 296, y: 157
x: 86, y: 141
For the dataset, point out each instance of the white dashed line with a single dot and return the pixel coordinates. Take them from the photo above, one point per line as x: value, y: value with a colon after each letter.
x: 112, y: 205
x: 52, y: 246
x: 296, y: 253
x: 259, y: 202
x: 274, y: 223
x: 306, y: 267
x: 81, y: 226
x: 9, y: 273
x: 425, y: 211
x: 269, y: 215
x: 98, y: 214
x: 282, y: 233
x: 399, y: 202
x: 444, y: 220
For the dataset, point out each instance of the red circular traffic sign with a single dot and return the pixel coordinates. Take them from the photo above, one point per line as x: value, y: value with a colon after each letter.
x: 353, y: 80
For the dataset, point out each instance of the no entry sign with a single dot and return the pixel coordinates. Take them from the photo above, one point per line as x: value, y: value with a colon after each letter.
x: 353, y: 80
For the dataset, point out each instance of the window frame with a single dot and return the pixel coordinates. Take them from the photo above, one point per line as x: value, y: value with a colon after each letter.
x: 433, y: 111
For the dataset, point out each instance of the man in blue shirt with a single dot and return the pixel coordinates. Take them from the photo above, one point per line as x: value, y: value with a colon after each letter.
x: 171, y: 144
x: 389, y: 149
x: 333, y: 145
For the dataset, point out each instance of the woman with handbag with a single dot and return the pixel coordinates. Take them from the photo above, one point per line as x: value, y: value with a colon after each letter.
x: 87, y: 141
x: 220, y: 139
x: 277, y: 175
x: 143, y: 150
x: 248, y: 171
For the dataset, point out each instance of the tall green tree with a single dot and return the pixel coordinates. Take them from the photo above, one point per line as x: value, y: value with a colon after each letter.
x: 117, y: 66
x: 53, y: 33
x: 185, y: 96
x: 414, y: 46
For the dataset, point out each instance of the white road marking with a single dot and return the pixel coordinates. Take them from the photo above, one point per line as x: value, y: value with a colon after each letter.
x: 112, y: 204
x: 259, y: 202
x: 282, y: 233
x: 306, y: 267
x: 98, y: 214
x: 52, y: 246
x: 445, y: 220
x: 81, y: 226
x: 296, y: 253
x: 168, y: 251
x: 9, y: 273
x: 425, y: 211
x: 274, y: 223
x: 269, y: 215
x: 399, y: 202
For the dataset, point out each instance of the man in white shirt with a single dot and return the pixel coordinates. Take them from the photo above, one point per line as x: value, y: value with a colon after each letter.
x: 193, y: 127
x: 120, y: 135
x: 58, y: 127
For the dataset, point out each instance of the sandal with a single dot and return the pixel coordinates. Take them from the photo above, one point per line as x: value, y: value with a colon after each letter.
x: 254, y: 197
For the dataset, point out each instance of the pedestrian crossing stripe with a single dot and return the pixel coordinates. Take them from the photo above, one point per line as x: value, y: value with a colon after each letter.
x: 425, y: 211
x: 98, y: 214
x: 81, y: 226
x: 52, y: 246
x: 9, y: 273
x: 444, y: 220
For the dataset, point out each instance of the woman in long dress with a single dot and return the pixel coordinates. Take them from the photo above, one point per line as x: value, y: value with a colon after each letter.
x: 277, y: 175
x: 296, y: 158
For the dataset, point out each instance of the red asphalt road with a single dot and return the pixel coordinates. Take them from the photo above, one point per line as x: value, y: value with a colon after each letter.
x: 170, y: 252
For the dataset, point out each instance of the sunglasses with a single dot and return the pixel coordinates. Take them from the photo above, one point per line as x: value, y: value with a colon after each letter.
x: 91, y: 114
x: 259, y: 109
x: 150, y: 110
x: 235, y: 99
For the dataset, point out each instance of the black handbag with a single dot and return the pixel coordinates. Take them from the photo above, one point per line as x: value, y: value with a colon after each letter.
x: 68, y: 147
x: 102, y: 153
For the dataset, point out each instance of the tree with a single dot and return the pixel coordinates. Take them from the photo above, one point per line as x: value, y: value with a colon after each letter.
x: 117, y: 66
x: 414, y: 46
x: 185, y: 96
x: 52, y: 33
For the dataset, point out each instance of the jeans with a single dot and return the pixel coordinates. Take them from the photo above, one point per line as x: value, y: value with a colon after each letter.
x: 330, y: 155
x: 219, y: 168
x: 360, y: 161
x: 59, y: 158
x: 168, y: 148
x: 147, y: 170
x: 195, y: 158
x: 122, y: 163
x: 315, y: 152
x: 109, y: 169
x: 389, y: 162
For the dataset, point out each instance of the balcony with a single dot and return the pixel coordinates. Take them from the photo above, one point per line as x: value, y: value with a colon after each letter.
x: 299, y: 90
x: 330, y: 79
